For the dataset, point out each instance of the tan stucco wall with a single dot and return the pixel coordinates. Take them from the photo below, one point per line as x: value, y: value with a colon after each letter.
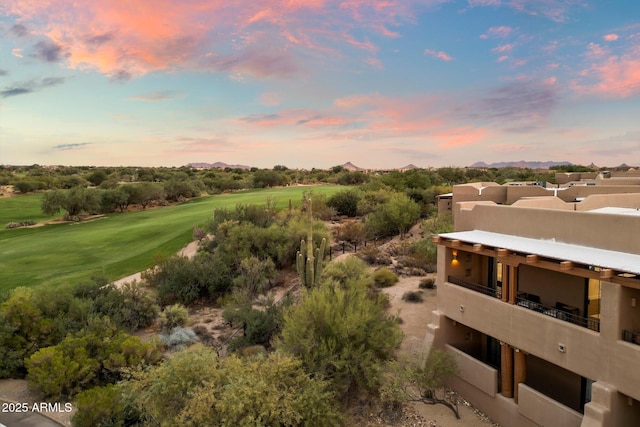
x: 581, y: 228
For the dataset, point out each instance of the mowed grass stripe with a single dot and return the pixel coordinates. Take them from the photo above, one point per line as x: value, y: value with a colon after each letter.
x: 118, y: 244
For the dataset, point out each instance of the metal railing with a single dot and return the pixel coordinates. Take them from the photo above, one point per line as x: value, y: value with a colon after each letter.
x: 559, y: 313
x: 493, y: 292
x: 555, y: 312
x: 631, y: 336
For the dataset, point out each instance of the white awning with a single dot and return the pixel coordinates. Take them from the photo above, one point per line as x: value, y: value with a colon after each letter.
x: 603, y: 258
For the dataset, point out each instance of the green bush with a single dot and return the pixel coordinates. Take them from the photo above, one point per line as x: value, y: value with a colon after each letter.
x: 173, y: 316
x: 94, y: 356
x: 195, y: 388
x: 413, y: 296
x: 104, y: 406
x: 342, y: 333
x: 384, y: 278
x: 345, y: 202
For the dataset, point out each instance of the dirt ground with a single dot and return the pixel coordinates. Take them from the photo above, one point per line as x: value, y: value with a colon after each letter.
x: 415, y: 318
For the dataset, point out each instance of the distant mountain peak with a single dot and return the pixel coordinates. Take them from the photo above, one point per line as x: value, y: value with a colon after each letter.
x: 351, y: 167
x: 216, y: 165
x: 520, y: 164
x: 409, y: 166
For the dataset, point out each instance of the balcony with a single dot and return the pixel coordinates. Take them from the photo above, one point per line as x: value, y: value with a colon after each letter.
x: 631, y: 336
x: 532, y: 302
x: 560, y: 311
x: 493, y: 292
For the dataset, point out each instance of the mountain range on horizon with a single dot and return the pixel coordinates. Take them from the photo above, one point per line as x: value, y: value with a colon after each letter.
x: 216, y: 165
x: 521, y: 164
x: 350, y: 166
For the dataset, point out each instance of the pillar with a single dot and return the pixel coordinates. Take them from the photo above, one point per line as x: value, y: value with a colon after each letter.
x: 519, y: 371
x: 505, y: 282
x: 506, y: 369
x: 513, y: 285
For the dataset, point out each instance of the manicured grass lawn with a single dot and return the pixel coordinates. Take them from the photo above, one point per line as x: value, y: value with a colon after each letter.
x: 118, y: 244
x: 21, y: 208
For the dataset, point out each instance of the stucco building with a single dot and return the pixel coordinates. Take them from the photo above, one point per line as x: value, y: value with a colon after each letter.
x: 539, y: 301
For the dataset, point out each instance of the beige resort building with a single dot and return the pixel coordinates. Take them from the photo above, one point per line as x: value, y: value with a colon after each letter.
x: 539, y: 301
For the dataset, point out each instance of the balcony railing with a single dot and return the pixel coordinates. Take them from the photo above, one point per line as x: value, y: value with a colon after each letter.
x: 631, y: 336
x: 560, y: 313
x: 494, y: 292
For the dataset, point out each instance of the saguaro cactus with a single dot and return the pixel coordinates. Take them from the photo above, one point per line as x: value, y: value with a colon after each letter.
x: 308, y: 263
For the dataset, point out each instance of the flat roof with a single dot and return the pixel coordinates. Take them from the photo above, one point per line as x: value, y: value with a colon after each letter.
x: 603, y: 258
x: 617, y: 211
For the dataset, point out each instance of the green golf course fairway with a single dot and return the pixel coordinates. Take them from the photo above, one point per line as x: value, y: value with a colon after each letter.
x: 118, y: 244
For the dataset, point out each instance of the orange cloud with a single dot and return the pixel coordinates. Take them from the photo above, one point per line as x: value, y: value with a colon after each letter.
x: 610, y: 37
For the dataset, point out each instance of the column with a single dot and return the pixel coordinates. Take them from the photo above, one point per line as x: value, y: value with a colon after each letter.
x: 506, y: 369
x: 505, y: 282
x: 519, y: 371
x: 513, y: 285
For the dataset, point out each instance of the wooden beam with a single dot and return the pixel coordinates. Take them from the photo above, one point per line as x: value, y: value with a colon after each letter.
x: 502, y: 252
x: 566, y: 265
x: 477, y: 247
x: 606, y: 273
x: 456, y: 243
x: 532, y: 259
x: 436, y: 239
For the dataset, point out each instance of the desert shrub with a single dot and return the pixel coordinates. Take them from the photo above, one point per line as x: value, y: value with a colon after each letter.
x: 183, y: 280
x: 259, y: 326
x: 384, y: 278
x: 350, y: 231
x: 104, y: 406
x: 342, y: 333
x: 255, y: 277
x: 19, y: 224
x: 345, y: 202
x: 91, y: 357
x: 395, y: 216
x: 24, y: 329
x: 413, y: 296
x: 349, y: 272
x: 373, y: 255
x: 427, y: 283
x: 178, y: 338
x: 129, y: 307
x: 196, y: 388
x: 173, y: 316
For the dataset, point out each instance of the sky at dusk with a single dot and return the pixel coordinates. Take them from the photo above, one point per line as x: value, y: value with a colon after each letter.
x: 316, y: 83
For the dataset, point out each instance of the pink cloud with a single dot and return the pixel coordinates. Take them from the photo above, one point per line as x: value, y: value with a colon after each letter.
x: 610, y: 37
x: 461, y: 136
x: 438, y: 54
x: 503, y: 48
x: 502, y: 58
x: 477, y: 3
x: 501, y: 32
x: 614, y: 76
x: 270, y: 99
x: 124, y: 39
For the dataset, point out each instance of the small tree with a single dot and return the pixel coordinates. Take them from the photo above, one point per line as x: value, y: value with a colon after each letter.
x: 341, y: 332
x: 420, y: 380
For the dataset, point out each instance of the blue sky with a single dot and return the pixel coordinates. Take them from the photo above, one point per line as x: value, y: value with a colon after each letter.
x: 316, y: 83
